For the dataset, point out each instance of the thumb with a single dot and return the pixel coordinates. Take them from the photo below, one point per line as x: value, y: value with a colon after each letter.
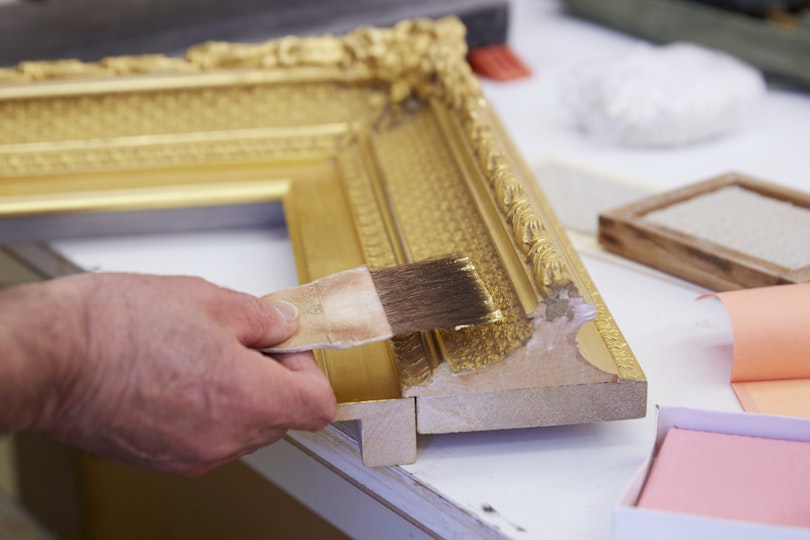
x: 268, y: 324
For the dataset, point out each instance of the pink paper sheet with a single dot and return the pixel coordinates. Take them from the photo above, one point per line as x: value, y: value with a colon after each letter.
x: 731, y: 476
x: 771, y: 326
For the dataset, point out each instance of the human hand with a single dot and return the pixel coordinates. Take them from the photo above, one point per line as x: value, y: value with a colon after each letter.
x: 162, y: 372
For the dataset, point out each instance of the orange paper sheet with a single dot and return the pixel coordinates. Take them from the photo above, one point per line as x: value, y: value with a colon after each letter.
x: 771, y: 327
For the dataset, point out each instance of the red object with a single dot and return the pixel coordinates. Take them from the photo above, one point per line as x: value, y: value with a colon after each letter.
x: 497, y: 62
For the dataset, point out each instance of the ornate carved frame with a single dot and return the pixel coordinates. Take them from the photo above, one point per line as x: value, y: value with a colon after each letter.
x: 382, y: 150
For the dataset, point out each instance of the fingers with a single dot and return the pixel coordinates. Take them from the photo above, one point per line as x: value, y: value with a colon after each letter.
x: 256, y: 324
x: 300, y: 361
x: 296, y: 392
x: 303, y: 397
x: 318, y: 405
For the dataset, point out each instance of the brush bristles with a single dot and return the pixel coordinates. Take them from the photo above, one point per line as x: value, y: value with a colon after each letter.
x: 434, y: 294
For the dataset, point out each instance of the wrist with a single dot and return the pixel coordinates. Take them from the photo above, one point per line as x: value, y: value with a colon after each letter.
x: 40, y: 327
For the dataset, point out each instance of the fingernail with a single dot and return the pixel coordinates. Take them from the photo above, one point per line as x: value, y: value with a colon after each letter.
x: 287, y: 310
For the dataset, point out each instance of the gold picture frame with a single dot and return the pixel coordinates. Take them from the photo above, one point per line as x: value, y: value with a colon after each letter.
x: 383, y: 150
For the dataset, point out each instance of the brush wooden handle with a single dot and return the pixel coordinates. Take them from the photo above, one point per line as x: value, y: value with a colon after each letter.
x: 335, y: 312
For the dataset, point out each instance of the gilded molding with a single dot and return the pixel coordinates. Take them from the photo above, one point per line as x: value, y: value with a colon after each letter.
x: 175, y: 150
x: 626, y: 362
x: 421, y: 58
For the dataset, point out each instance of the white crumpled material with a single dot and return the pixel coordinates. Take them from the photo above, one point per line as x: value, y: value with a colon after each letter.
x: 662, y: 95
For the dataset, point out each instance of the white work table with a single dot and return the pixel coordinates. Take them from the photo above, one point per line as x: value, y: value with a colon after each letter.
x: 554, y: 482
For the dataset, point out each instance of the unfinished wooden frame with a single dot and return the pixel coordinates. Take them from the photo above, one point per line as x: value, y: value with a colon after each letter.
x: 382, y: 150
x: 729, y: 232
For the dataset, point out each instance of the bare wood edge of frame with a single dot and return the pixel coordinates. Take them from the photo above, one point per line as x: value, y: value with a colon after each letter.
x: 422, y: 60
x: 625, y: 231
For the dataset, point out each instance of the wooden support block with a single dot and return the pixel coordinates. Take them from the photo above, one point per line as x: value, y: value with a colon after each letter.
x: 387, y: 430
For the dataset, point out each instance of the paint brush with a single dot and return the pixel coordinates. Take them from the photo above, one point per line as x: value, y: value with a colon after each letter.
x: 361, y: 306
